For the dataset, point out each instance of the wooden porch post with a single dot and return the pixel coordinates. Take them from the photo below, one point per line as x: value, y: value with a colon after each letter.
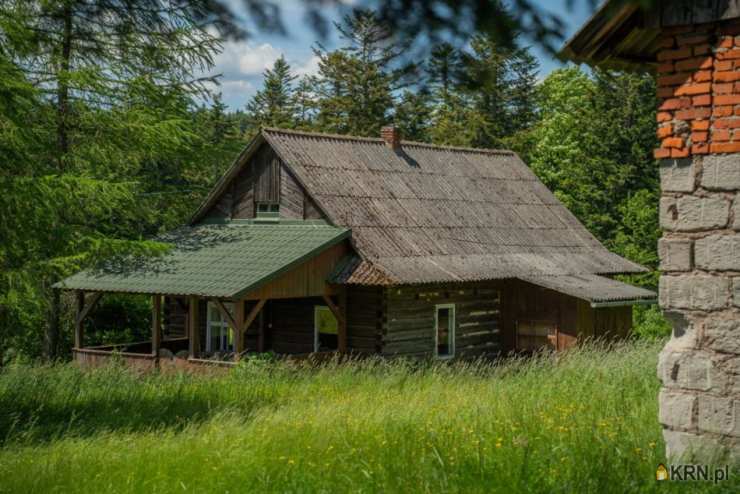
x: 80, y: 319
x: 156, y: 324
x: 239, y: 336
x: 193, y: 328
x: 340, y: 314
x: 342, y: 343
x: 82, y: 312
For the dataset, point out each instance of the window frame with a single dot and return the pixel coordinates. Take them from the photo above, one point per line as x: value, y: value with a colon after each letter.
x: 452, y: 330
x: 271, y: 209
x: 316, y: 310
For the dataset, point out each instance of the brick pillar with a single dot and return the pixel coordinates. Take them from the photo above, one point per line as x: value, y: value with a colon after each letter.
x: 699, y: 128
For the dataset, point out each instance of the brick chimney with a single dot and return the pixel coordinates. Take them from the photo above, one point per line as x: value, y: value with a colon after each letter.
x: 699, y: 129
x: 391, y: 136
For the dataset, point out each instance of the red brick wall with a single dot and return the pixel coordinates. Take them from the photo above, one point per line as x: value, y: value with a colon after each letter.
x: 699, y: 91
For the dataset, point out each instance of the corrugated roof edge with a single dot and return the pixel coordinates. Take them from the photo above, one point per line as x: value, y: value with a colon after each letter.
x: 343, y: 234
x: 377, y: 140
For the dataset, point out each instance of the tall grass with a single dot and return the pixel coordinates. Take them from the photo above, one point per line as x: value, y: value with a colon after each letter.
x: 584, y: 423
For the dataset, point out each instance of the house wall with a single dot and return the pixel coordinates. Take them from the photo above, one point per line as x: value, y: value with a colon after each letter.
x: 574, y: 318
x: 365, y: 306
x: 409, y: 311
x: 699, y: 128
x: 264, y: 179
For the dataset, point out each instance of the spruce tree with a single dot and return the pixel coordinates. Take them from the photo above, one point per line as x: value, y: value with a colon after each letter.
x: 274, y: 104
x: 413, y: 115
x: 355, y: 83
x: 111, y: 123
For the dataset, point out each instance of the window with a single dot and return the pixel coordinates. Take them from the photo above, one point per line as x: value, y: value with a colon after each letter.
x: 444, y: 330
x: 268, y: 209
x: 325, y: 329
x: 219, y: 336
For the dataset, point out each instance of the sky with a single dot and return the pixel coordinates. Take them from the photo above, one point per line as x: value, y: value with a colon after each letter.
x: 241, y: 63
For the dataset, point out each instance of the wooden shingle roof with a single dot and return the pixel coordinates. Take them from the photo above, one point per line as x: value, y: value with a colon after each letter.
x: 439, y: 214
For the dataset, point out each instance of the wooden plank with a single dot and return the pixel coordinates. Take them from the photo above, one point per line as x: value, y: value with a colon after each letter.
x: 156, y: 324
x: 306, y: 280
x: 193, y: 327
x: 238, y: 332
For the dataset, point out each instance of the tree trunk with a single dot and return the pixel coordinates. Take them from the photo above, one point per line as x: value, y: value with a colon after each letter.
x: 63, y: 88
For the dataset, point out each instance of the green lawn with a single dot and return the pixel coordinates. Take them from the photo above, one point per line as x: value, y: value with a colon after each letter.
x: 586, y: 423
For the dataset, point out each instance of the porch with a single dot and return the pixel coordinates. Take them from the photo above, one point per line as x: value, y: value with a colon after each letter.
x: 226, y: 290
x: 202, y: 332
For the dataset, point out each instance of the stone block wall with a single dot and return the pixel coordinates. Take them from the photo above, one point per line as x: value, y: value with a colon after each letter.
x: 699, y: 129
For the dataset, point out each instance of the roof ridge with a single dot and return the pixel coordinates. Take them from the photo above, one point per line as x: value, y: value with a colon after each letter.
x: 379, y: 140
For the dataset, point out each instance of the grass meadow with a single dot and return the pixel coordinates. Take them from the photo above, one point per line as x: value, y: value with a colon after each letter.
x: 584, y: 423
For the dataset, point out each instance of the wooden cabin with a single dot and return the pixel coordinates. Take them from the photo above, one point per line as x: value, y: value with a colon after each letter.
x: 321, y: 243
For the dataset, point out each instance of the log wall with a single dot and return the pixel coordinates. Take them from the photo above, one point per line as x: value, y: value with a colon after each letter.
x: 365, y: 307
x: 408, y: 325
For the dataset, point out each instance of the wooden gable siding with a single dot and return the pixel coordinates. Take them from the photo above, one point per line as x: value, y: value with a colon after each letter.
x: 306, y: 280
x: 408, y: 326
x: 264, y: 179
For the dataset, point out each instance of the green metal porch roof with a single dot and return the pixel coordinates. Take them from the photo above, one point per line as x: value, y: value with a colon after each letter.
x: 214, y: 260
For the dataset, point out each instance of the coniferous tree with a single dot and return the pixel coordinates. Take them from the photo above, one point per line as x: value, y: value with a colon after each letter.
x: 274, y: 104
x: 500, y: 81
x: 305, y: 102
x: 355, y: 83
x: 111, y: 121
x: 452, y: 119
x: 413, y: 115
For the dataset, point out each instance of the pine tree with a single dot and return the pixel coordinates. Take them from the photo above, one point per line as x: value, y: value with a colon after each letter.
x: 305, y: 100
x: 413, y: 115
x: 500, y: 81
x: 274, y: 104
x: 111, y: 124
x: 355, y: 83
x: 444, y: 71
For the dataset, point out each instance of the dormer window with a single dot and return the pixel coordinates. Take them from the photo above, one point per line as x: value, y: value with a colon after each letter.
x: 268, y: 210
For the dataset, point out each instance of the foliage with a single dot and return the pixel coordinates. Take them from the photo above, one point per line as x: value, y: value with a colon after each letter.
x: 586, y: 422
x: 101, y: 144
x: 274, y: 104
x: 593, y: 146
x: 649, y: 323
x: 355, y: 83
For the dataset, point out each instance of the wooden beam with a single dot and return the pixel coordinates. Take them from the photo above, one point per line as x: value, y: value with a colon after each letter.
x: 226, y: 314
x: 193, y: 327
x: 261, y: 334
x: 156, y: 324
x: 86, y: 308
x: 238, y: 334
x: 341, y: 322
x: 253, y: 314
x: 342, y: 329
